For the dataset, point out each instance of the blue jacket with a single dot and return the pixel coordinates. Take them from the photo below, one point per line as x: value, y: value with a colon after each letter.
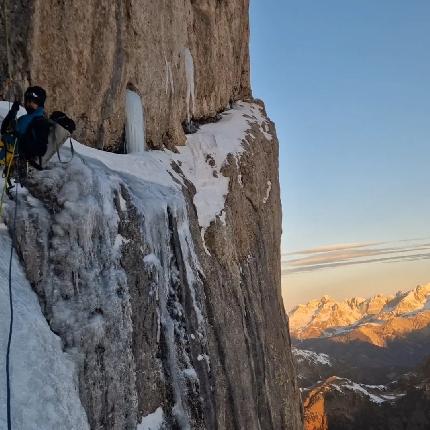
x: 25, y: 120
x: 10, y: 129
x: 30, y: 145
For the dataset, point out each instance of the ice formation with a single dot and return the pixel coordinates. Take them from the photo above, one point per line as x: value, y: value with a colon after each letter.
x: 201, y: 159
x: 43, y: 381
x: 135, y: 123
x: 189, y: 74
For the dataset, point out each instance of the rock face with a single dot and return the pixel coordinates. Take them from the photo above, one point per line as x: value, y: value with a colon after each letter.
x: 187, y: 59
x: 340, y: 404
x: 162, y: 312
x: 313, y: 367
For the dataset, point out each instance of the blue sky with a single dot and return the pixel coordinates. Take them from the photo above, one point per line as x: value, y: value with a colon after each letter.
x: 347, y: 83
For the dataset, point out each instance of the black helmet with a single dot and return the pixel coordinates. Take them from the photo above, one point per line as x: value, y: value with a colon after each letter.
x: 36, y: 95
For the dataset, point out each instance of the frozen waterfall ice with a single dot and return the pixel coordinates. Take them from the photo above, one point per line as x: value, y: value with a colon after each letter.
x: 135, y: 123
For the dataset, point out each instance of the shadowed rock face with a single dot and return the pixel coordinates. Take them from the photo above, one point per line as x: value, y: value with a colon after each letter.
x: 187, y: 59
x: 152, y: 315
x: 328, y: 405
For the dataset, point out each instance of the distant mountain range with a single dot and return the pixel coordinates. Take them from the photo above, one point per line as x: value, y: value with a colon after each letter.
x: 364, y: 363
x: 375, y: 320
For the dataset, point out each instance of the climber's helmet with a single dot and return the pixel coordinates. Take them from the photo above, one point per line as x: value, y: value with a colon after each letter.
x: 34, y: 97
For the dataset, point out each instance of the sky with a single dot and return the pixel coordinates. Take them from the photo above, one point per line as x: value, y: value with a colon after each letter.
x: 348, y: 85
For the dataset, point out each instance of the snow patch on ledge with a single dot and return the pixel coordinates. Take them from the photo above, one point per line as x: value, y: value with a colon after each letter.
x: 362, y: 390
x: 374, y: 393
x: 311, y: 357
x: 152, y: 421
x: 206, y: 153
x: 201, y: 160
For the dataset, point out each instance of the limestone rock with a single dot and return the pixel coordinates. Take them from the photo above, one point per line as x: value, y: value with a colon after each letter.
x: 187, y: 59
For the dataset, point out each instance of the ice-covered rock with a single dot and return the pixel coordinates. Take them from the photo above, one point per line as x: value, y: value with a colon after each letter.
x: 44, y: 386
x: 163, y: 298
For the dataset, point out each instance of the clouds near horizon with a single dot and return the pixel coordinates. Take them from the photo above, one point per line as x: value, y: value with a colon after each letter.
x: 338, y: 255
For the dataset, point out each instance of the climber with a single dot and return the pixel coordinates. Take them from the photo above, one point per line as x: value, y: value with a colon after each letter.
x: 31, y: 130
x: 32, y: 139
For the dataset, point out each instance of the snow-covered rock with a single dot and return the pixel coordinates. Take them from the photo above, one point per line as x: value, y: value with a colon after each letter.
x: 166, y: 319
x: 329, y: 317
x: 303, y: 355
x: 44, y: 385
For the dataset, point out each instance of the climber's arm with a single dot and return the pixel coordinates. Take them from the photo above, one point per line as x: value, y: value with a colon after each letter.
x: 8, y: 124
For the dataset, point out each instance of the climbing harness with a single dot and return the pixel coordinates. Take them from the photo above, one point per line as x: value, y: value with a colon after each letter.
x: 7, y: 175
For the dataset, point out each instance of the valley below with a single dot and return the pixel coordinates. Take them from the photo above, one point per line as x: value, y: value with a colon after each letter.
x: 364, y: 363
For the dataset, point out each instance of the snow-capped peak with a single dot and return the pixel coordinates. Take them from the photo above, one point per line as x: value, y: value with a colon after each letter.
x: 327, y: 316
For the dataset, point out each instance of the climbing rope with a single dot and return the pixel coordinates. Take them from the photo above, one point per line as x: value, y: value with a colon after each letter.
x: 13, y: 238
x: 9, y: 342
x: 12, y: 247
x: 72, y: 151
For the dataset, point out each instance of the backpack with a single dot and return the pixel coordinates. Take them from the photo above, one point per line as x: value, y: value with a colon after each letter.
x: 44, y: 137
x: 61, y: 129
x: 62, y: 119
x: 34, y: 142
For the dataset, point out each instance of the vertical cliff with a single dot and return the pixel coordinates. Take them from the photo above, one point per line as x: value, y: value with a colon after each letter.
x: 86, y: 54
x: 163, y: 295
x: 159, y: 272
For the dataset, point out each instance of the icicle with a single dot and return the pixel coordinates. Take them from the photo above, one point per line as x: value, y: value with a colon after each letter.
x: 135, y: 123
x: 189, y: 73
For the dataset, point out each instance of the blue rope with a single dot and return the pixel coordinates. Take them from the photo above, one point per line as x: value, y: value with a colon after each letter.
x: 8, y: 394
